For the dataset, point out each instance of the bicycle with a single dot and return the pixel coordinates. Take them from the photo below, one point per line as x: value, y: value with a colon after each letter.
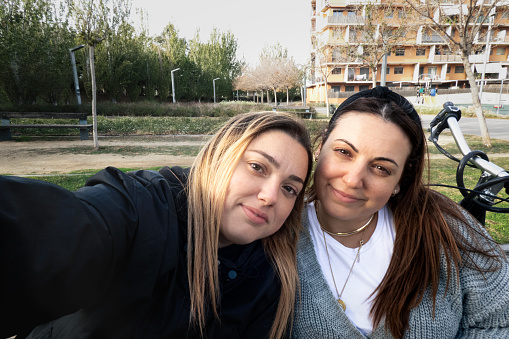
x: 485, y: 195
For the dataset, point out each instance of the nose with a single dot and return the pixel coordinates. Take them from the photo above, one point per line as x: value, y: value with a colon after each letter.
x: 269, y: 192
x: 354, y: 175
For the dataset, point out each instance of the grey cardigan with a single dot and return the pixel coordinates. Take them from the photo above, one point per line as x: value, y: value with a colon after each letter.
x: 474, y: 307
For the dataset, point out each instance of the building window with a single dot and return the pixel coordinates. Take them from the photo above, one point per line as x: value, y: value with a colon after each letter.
x: 505, y: 15
x: 351, y: 13
x: 453, y: 33
x: 398, y: 70
x: 459, y: 69
x: 336, y: 89
x: 400, y: 52
x: 363, y: 87
x: 401, y: 14
x: 353, y: 34
x: 448, y: 69
x: 388, y: 70
x: 336, y: 70
x: 500, y: 50
x: 336, y: 55
x: 420, y: 51
x: 336, y: 12
x: 349, y: 88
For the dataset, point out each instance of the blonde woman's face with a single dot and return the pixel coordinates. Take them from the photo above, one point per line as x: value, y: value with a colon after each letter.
x: 263, y: 189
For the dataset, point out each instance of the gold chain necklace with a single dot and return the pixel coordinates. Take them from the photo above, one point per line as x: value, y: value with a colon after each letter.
x: 343, y: 234
x: 357, y: 258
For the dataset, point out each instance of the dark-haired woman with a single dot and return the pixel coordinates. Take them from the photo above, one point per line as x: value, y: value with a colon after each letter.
x: 382, y: 255
x: 208, y: 252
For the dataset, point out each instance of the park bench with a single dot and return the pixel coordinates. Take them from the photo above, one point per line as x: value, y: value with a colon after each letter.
x: 304, y: 110
x: 5, y: 124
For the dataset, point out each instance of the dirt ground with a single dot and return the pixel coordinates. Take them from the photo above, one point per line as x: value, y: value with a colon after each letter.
x: 60, y: 155
x: 63, y: 156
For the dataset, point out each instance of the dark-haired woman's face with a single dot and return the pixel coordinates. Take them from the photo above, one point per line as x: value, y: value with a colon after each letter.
x: 360, y: 166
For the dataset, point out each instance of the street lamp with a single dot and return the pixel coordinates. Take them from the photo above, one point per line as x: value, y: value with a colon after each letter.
x: 173, y: 85
x: 75, y: 73
x: 214, y: 83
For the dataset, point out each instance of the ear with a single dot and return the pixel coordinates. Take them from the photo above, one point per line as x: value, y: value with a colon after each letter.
x: 317, y: 152
x: 396, y: 190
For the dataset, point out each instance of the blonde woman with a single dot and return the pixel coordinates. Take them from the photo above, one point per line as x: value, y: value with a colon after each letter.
x: 206, y: 252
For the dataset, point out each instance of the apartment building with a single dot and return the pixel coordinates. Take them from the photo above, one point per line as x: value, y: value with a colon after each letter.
x: 421, y: 58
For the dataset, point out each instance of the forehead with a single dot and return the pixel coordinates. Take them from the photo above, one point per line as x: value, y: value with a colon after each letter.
x: 281, y: 147
x: 370, y: 130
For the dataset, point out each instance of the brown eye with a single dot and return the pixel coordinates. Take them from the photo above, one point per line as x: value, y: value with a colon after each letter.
x: 256, y: 167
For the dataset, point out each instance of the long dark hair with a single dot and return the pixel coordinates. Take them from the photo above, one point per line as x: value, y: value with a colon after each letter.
x: 422, y: 232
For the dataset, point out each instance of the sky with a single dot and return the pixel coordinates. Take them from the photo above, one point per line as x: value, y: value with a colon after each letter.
x: 255, y: 24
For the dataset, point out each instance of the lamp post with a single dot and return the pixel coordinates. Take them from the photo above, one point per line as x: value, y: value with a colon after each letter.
x: 75, y: 73
x: 173, y: 85
x: 214, y: 83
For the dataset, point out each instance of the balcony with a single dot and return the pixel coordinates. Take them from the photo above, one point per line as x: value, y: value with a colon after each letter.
x: 350, y: 2
x: 432, y: 39
x: 346, y: 20
x: 447, y: 58
x: 477, y: 58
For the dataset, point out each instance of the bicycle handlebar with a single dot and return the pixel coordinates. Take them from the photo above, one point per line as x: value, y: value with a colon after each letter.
x: 448, y: 118
x: 493, y: 178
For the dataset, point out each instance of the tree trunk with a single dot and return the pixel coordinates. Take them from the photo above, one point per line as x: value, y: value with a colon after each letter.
x: 262, y: 96
x: 275, y: 97
x: 326, y: 97
x: 287, y: 97
x: 94, y: 99
x: 268, y: 99
x: 374, y: 72
x: 486, y: 140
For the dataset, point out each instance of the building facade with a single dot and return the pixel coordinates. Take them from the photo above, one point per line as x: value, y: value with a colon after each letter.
x: 340, y: 36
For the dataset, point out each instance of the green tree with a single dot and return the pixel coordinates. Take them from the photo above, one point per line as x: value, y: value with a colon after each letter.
x: 215, y: 59
x: 172, y: 54
x: 33, y: 52
x: 119, y: 55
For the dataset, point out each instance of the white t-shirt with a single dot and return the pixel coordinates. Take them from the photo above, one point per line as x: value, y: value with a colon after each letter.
x: 367, y: 273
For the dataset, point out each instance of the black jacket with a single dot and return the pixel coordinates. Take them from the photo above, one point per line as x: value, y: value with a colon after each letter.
x: 109, y: 261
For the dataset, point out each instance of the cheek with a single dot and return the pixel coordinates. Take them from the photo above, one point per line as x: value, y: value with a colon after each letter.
x: 283, y: 212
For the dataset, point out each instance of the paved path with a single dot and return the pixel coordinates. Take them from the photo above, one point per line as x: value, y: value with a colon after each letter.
x: 497, y: 128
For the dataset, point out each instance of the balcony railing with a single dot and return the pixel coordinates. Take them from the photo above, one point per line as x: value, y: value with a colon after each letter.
x: 346, y: 20
x: 432, y: 39
x: 447, y: 58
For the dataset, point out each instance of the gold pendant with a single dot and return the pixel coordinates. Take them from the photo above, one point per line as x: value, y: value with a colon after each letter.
x: 342, y: 304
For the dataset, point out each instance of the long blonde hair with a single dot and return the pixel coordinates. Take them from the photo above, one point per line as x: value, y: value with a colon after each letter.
x: 209, y: 180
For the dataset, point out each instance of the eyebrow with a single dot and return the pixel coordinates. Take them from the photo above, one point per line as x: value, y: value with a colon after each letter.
x: 277, y: 165
x: 357, y: 151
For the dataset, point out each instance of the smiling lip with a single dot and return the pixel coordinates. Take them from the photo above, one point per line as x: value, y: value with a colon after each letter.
x: 255, y: 215
x: 346, y: 198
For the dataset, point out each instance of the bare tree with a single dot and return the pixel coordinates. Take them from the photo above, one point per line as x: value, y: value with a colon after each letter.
x: 385, y: 26
x: 462, y: 25
x: 275, y: 72
x: 327, y: 57
x: 91, y: 24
